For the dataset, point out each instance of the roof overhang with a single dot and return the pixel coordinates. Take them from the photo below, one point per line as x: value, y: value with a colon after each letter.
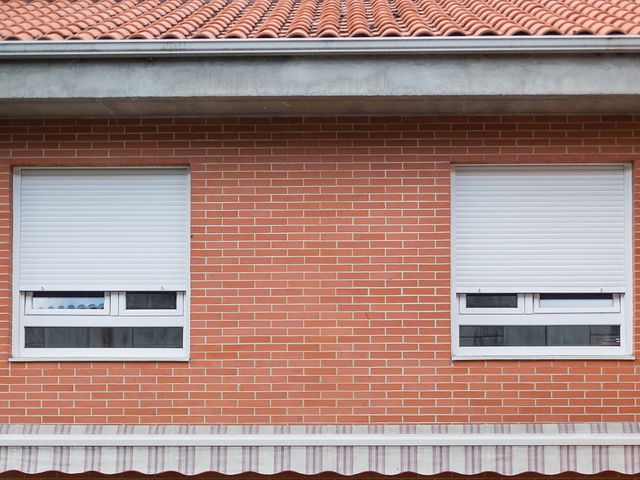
x: 321, y: 77
x: 346, y: 449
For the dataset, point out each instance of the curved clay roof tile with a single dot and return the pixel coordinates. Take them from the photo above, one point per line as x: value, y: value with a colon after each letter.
x: 565, y: 27
x: 452, y: 31
x: 297, y: 33
x: 360, y: 32
x: 600, y: 28
x: 51, y: 36
x: 276, y: 19
x: 391, y: 32
x: 65, y: 32
x: 267, y: 33
x: 300, y: 26
x: 204, y: 34
x: 82, y: 36
x: 515, y: 30
x: 629, y: 5
x: 483, y: 31
x: 539, y: 28
x: 166, y: 19
x: 143, y: 35
x: 582, y: 31
x: 235, y: 33
x: 474, y: 26
x: 173, y: 35
x: 328, y: 32
x: 421, y: 32
x: 20, y: 36
x: 113, y: 35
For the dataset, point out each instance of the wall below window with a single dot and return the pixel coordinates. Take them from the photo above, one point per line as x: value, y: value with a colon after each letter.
x: 319, y: 274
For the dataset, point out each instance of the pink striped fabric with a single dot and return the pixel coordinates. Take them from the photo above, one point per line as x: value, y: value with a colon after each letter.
x: 507, y: 459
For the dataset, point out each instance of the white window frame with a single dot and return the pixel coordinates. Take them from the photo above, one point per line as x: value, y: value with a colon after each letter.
x: 620, y: 314
x: 114, y: 316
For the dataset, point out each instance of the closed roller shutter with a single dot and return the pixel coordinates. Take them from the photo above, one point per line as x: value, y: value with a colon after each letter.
x: 103, y: 229
x: 538, y: 228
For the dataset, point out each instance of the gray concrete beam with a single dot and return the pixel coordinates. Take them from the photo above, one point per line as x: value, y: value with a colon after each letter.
x: 597, y: 83
x: 352, y: 106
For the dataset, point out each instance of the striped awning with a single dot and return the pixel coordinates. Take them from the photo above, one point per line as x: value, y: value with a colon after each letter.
x: 347, y: 450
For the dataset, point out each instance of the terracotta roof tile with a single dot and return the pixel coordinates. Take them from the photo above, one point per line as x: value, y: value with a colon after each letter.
x: 302, y: 20
x: 213, y: 19
x: 273, y: 23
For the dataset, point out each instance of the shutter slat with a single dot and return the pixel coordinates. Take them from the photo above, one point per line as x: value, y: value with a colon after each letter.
x: 532, y: 229
x: 104, y: 229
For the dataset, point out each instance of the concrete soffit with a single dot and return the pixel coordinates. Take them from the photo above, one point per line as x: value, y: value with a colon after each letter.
x: 320, y: 77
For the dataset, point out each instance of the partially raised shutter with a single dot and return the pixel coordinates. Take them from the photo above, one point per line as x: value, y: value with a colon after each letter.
x: 531, y: 229
x: 103, y: 229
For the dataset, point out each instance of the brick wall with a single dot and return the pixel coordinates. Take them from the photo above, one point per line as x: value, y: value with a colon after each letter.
x: 320, y: 274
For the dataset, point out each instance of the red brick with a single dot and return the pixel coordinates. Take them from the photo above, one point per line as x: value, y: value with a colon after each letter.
x: 320, y: 277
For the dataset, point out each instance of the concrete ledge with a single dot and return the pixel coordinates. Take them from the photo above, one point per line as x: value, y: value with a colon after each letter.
x: 594, y: 83
x: 352, y: 106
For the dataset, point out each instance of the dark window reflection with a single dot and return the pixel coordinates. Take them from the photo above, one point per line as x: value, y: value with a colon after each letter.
x: 152, y: 300
x: 576, y: 300
x: 576, y: 296
x: 539, y: 335
x: 103, y: 337
x: 492, y: 300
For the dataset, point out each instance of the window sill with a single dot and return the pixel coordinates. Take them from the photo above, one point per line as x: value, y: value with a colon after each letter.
x: 466, y: 358
x: 97, y: 359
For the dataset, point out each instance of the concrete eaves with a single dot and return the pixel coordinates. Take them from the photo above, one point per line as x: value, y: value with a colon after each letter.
x: 321, y: 85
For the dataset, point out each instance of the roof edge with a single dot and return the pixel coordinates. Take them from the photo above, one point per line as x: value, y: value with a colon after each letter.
x: 68, y: 49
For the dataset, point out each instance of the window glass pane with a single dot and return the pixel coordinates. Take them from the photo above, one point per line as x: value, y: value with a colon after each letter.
x: 157, y: 337
x: 568, y: 300
x: 528, y: 335
x: 68, y: 300
x: 481, y: 336
x: 152, y: 300
x: 568, y: 335
x: 51, y: 337
x: 103, y: 337
x: 109, y: 337
x: 34, y: 337
x: 605, y: 335
x: 492, y: 300
x: 539, y: 335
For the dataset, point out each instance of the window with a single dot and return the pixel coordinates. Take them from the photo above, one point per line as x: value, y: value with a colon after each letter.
x: 541, y: 261
x: 64, y: 303
x: 101, y: 262
x: 491, y: 303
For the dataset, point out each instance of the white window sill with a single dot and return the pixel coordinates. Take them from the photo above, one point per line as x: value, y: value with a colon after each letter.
x: 97, y: 359
x: 467, y: 358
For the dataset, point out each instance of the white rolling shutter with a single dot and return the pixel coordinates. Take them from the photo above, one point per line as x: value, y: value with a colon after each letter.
x: 532, y: 229
x: 102, y: 229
